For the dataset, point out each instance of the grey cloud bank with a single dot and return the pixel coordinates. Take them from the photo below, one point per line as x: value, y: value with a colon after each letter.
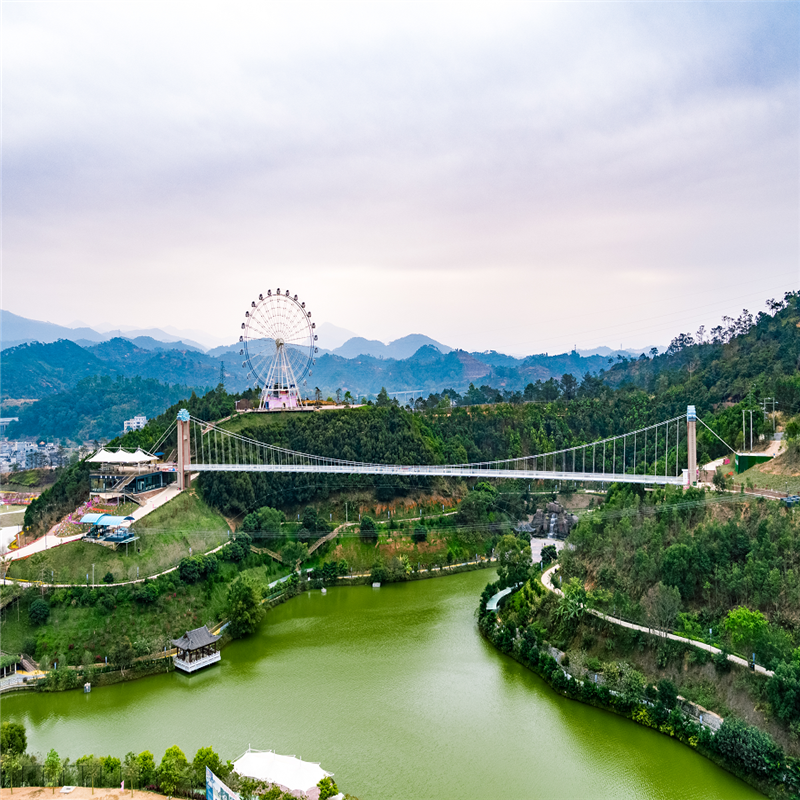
x: 521, y: 177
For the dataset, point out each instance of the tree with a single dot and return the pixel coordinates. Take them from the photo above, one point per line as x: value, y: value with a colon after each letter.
x: 678, y: 568
x: 746, y: 746
x: 311, y: 521
x: 10, y: 763
x: 264, y: 523
x: 368, y: 529
x: 327, y: 788
x: 420, y: 533
x: 206, y: 757
x: 39, y: 611
x: 131, y: 770
x: 243, y: 607
x: 108, y: 577
x: 52, y: 768
x: 569, y: 386
x: 147, y: 767
x: 189, y: 570
x: 662, y: 604
x: 783, y: 689
x: 294, y: 553
x: 383, y: 399
x: 90, y: 767
x: 514, y: 561
x: 667, y: 693
x: 572, y: 605
x: 172, y: 770
x: 549, y: 554
x: 745, y: 628
x: 122, y: 654
x: 13, y: 738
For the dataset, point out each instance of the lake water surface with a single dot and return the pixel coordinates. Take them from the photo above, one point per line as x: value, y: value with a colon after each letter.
x: 394, y: 691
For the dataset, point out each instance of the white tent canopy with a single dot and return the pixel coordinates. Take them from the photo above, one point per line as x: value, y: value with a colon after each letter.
x: 103, y: 456
x: 288, y: 771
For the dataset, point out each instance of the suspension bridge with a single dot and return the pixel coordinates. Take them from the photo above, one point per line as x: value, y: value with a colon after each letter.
x: 649, y: 455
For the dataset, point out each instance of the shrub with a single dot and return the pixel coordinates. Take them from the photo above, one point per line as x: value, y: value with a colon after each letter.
x: 741, y: 744
x: 39, y: 611
x: 368, y: 529
x: 108, y: 577
x: 667, y: 693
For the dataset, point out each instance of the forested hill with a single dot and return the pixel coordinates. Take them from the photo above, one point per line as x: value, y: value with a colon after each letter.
x: 38, y: 370
x: 745, y: 357
x: 95, y: 409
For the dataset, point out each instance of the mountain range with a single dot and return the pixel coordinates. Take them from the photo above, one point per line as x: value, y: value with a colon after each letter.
x: 411, y: 366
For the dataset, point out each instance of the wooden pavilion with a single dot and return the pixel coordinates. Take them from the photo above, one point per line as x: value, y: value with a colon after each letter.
x: 196, y: 649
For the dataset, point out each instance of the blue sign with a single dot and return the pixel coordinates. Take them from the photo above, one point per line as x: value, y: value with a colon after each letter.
x: 216, y: 789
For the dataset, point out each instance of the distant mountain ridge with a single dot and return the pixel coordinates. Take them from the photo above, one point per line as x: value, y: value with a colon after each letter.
x: 15, y: 330
x: 399, y: 349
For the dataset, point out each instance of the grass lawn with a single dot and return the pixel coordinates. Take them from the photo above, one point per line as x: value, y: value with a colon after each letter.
x: 781, y: 474
x: 766, y: 480
x: 165, y: 537
x: 361, y: 555
x: 11, y: 515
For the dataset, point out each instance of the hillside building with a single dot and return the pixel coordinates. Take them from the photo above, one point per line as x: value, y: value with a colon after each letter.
x: 135, y: 424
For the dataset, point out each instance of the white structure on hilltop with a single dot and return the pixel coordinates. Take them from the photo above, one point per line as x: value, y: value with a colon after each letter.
x: 135, y: 424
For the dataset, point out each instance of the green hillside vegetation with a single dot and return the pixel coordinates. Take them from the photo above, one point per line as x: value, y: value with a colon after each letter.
x: 37, y: 370
x: 166, y: 535
x: 83, y: 626
x: 743, y: 359
x: 682, y: 561
x: 95, y: 408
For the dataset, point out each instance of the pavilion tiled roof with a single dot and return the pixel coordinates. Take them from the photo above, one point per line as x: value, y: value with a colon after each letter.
x: 194, y: 640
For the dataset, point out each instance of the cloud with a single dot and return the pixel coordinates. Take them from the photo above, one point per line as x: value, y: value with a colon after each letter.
x: 488, y: 174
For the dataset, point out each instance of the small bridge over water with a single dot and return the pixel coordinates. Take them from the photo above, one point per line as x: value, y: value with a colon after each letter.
x: 649, y: 455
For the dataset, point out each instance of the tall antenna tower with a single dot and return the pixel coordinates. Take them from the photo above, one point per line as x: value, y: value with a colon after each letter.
x: 222, y: 373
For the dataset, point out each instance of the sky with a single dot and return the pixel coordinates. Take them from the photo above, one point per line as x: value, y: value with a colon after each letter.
x: 524, y: 177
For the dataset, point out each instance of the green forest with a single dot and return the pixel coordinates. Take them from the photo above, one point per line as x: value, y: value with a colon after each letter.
x: 95, y: 408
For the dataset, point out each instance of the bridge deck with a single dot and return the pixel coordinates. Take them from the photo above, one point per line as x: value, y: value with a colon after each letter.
x: 447, y: 471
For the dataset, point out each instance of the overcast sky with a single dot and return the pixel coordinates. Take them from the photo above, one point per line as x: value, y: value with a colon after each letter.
x: 515, y: 176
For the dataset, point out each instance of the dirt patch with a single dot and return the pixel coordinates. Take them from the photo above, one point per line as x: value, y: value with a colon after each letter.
x: 78, y: 793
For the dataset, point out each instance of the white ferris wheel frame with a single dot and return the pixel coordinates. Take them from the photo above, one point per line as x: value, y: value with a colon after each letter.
x: 282, y: 319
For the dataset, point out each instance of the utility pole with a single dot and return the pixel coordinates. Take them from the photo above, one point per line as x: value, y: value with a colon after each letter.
x: 92, y: 574
x: 751, y: 430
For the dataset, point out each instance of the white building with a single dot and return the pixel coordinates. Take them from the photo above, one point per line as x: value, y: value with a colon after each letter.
x: 135, y: 424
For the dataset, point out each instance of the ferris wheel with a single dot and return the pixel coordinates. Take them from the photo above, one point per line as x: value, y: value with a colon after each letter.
x: 279, y: 348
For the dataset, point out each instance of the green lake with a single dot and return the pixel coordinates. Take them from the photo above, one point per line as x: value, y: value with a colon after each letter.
x: 395, y: 692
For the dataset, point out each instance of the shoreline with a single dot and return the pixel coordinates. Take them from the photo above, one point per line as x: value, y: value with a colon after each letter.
x: 132, y: 674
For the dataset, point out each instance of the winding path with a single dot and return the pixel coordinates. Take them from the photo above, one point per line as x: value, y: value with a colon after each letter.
x: 547, y: 578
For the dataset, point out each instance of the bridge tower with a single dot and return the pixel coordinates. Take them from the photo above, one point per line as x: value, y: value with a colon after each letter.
x: 691, y: 444
x: 184, y: 450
